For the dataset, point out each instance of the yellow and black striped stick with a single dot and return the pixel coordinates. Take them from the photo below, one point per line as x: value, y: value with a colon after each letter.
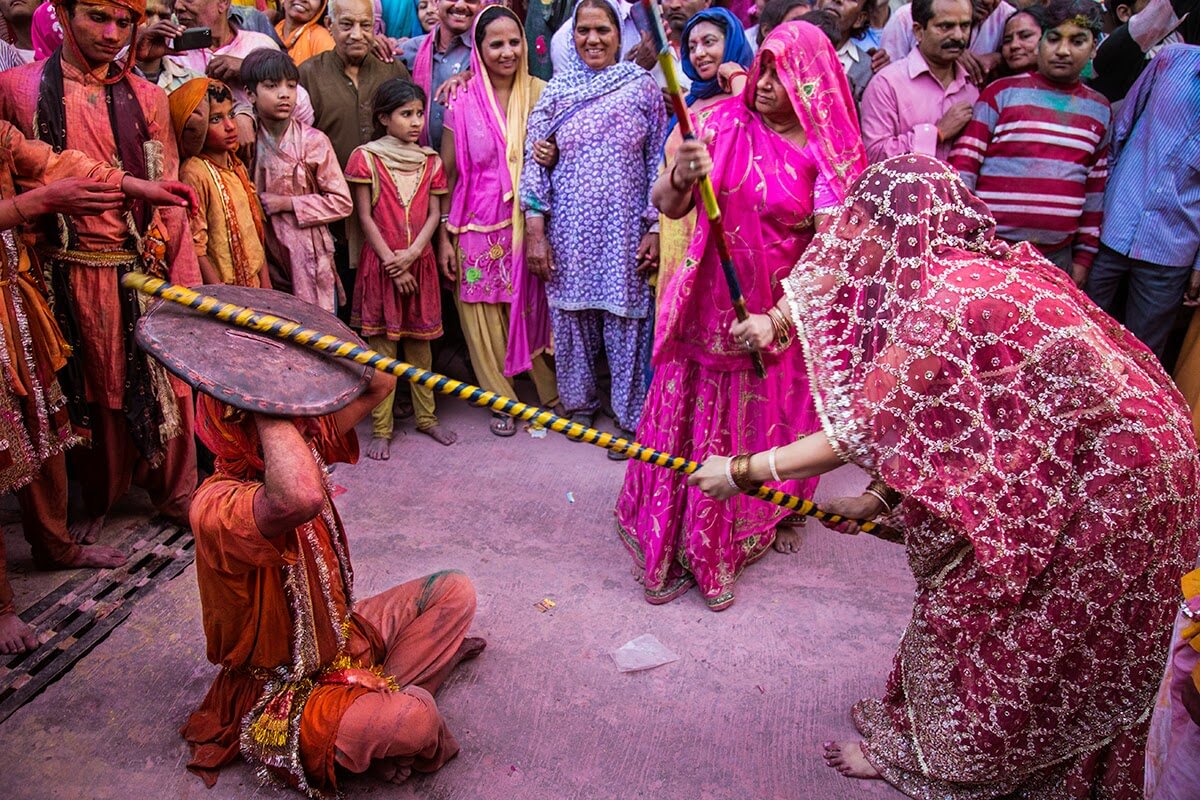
x: 287, y: 330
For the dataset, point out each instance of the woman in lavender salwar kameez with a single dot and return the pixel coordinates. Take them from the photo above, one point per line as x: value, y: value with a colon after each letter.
x: 782, y: 153
x: 590, y: 219
x: 502, y: 306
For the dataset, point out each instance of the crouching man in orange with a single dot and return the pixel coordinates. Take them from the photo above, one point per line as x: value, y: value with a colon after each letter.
x: 310, y: 679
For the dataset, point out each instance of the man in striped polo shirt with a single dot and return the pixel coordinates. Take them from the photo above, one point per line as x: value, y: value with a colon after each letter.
x: 1036, y: 148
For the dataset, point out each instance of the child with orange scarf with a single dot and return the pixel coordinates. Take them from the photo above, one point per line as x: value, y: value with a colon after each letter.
x: 227, y: 229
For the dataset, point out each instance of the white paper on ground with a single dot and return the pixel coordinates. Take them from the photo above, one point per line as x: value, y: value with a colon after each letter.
x: 644, y: 652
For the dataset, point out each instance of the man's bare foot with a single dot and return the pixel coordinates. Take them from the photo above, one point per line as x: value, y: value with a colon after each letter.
x: 391, y: 770
x: 379, y: 449
x: 98, y: 556
x: 787, y: 540
x: 848, y: 759
x: 85, y: 531
x: 440, y: 434
x: 15, y: 635
x: 471, y: 647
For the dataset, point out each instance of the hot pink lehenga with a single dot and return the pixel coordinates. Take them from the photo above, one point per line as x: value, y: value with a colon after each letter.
x: 704, y: 398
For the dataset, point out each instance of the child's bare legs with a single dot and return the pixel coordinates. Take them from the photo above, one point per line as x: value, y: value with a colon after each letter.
x: 418, y: 353
x: 382, y: 424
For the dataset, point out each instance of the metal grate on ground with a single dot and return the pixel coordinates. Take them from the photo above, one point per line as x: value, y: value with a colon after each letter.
x: 76, y: 616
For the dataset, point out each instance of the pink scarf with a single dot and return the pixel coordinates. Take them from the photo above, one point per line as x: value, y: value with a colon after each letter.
x: 422, y: 75
x: 765, y: 187
x: 485, y: 194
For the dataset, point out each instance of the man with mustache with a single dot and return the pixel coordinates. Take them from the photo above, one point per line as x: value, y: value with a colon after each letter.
x: 152, y: 63
x: 983, y: 51
x: 139, y: 421
x: 921, y: 103
x: 438, y: 56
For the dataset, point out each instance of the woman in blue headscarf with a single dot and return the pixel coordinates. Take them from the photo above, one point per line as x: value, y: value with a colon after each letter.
x: 715, y: 55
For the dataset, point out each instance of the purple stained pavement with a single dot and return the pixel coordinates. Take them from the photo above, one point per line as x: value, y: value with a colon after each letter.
x: 543, y: 714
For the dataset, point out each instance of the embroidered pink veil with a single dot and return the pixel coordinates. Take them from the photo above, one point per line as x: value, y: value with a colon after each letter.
x: 1049, y: 472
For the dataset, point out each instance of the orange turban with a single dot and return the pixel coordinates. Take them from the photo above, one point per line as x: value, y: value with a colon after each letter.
x: 138, y: 7
x: 184, y: 100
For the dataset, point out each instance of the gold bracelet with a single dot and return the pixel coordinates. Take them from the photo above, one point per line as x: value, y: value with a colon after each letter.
x: 780, y: 323
x: 17, y: 207
x: 741, y: 473
x: 889, y: 497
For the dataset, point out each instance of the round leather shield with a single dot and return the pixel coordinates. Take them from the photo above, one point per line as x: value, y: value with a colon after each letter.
x: 249, y: 370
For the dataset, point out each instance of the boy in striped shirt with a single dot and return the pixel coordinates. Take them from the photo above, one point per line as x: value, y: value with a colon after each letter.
x: 1036, y: 149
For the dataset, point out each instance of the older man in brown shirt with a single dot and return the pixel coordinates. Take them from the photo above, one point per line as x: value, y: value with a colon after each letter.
x: 342, y: 83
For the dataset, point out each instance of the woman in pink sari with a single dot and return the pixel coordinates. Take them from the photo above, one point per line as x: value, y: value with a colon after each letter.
x: 481, y: 248
x: 783, y: 152
x: 1041, y: 468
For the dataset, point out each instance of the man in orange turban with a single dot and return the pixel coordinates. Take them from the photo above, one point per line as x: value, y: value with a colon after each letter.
x: 139, y: 419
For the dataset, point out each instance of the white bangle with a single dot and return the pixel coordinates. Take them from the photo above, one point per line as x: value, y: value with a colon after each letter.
x: 729, y: 474
x: 771, y: 464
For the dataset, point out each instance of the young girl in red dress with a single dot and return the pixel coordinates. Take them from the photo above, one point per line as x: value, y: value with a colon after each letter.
x: 398, y: 189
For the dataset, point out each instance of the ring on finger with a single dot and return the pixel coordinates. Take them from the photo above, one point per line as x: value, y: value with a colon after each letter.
x: 692, y: 165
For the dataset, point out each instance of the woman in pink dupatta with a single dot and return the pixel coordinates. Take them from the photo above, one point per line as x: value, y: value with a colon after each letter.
x: 785, y: 150
x: 481, y: 248
x: 1041, y: 468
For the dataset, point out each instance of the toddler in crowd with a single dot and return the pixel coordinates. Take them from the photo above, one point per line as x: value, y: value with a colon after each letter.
x: 298, y: 180
x: 398, y: 195
x: 227, y: 227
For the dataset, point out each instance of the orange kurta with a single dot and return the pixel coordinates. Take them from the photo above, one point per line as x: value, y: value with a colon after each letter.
x: 95, y: 290
x: 227, y: 228
x: 248, y: 621
x: 34, y: 425
x: 33, y: 345
x: 256, y: 621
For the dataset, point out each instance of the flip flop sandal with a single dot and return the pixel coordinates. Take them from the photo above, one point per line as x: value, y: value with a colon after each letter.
x: 503, y: 425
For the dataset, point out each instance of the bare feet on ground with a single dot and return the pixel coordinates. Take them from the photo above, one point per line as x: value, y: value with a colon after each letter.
x: 85, y: 531
x: 848, y: 759
x: 15, y: 635
x: 391, y: 770
x: 379, y: 449
x: 787, y: 540
x: 96, y: 555
x: 471, y: 647
x: 440, y: 434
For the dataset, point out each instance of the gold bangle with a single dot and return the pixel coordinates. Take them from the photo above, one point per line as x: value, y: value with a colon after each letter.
x: 741, y: 473
x: 888, y: 496
x: 780, y: 324
x: 17, y: 207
